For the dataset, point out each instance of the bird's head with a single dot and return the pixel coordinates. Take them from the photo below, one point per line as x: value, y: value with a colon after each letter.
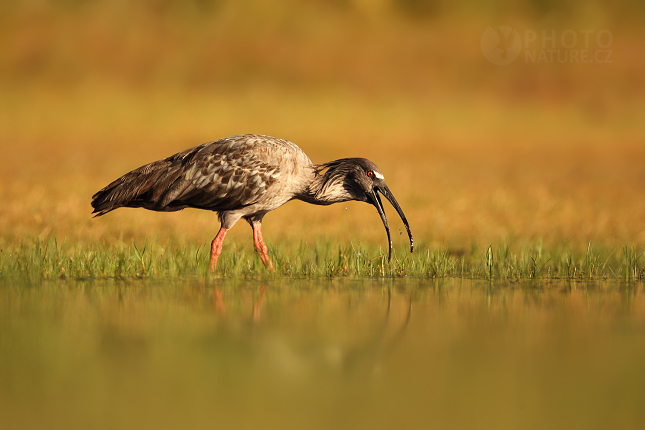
x: 359, y: 179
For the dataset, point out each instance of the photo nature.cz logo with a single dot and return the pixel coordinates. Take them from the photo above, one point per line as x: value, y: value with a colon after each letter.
x: 502, y: 44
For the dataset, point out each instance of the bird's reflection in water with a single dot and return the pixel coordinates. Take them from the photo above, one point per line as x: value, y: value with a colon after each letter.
x: 375, y: 349
x: 217, y: 302
x: 280, y: 344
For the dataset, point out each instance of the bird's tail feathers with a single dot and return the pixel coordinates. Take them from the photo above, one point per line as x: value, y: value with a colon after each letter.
x: 139, y: 188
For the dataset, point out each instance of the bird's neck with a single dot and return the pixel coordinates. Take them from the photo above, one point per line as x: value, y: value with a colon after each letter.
x: 330, y: 185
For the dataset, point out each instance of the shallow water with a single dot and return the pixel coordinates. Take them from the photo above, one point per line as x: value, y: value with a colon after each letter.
x: 321, y: 354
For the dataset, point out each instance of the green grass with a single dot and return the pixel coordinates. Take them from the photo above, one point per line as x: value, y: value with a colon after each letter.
x: 53, y: 259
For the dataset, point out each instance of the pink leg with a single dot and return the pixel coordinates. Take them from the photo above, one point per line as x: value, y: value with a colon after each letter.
x: 216, y: 247
x: 260, y: 247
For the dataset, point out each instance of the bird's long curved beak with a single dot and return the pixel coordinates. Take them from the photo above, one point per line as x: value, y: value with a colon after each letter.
x: 376, y: 201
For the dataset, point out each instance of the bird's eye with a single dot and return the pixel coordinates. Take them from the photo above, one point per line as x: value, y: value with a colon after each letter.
x: 370, y: 173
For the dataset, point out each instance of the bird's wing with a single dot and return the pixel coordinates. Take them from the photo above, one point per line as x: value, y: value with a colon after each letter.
x: 220, y: 176
x: 227, y: 174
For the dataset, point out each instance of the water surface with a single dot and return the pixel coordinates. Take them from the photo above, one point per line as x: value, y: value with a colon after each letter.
x: 321, y: 353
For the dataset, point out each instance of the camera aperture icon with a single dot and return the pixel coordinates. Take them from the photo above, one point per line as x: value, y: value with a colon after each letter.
x: 501, y: 44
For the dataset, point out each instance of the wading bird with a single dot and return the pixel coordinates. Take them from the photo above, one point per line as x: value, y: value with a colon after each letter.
x: 246, y: 177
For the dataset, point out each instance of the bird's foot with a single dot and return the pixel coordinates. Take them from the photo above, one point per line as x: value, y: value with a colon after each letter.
x: 263, y: 252
x: 269, y: 265
x: 213, y: 263
x: 261, y: 248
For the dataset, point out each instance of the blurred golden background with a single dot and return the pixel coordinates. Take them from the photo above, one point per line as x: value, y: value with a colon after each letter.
x: 544, y: 151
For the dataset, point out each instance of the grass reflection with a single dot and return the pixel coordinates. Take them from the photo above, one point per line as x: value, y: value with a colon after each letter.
x: 319, y: 353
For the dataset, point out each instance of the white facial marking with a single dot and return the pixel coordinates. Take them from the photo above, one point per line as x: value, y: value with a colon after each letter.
x: 378, y: 175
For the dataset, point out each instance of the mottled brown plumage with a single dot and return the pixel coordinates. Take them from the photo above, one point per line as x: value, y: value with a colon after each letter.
x: 245, y: 177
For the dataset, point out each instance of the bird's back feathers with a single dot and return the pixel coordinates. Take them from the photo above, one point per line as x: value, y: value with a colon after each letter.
x: 223, y: 175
